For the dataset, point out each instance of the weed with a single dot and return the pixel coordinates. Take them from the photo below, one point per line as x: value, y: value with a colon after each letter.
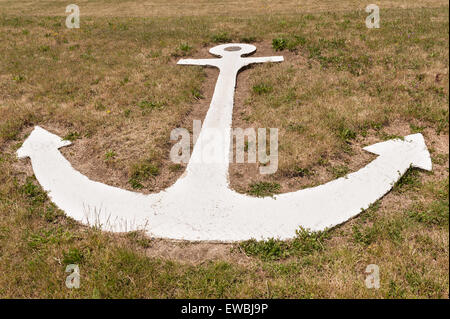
x: 440, y: 159
x: 279, y: 44
x: 135, y: 183
x: 395, y: 291
x: 394, y: 230
x: 51, y: 213
x: 262, y: 88
x: 416, y: 128
x: 19, y: 78
x: 339, y: 171
x: 127, y: 113
x: 73, y: 256
x: 296, y: 127
x: 304, y: 243
x: 248, y: 39
x: 270, y: 249
x: 99, y: 106
x: 43, y: 239
x: 222, y: 37
x: 140, y: 239
x: 72, y: 136
x: 184, y: 47
x: 197, y: 94
x: 110, y: 155
x: 44, y: 48
x: 263, y: 189
x: 409, y: 180
x: 436, y: 213
x: 346, y: 134
x: 301, y: 172
x: 385, y: 137
x: 365, y: 236
x: 176, y: 167
x: 182, y: 50
x: 148, y: 106
x: 33, y: 192
x: 141, y: 172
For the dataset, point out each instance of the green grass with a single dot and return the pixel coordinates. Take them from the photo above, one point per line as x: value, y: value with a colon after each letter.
x: 305, y: 243
x: 221, y: 37
x: 115, y: 83
x: 301, y: 172
x: 141, y: 172
x: 339, y: 171
x: 73, y: 256
x: 72, y: 136
x: 148, y: 106
x: 110, y: 155
x: 409, y: 180
x: 262, y: 88
x: 279, y: 44
x: 263, y: 189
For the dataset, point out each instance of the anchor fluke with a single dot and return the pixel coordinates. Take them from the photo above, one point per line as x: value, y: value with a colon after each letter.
x: 413, y: 144
x: 40, y: 141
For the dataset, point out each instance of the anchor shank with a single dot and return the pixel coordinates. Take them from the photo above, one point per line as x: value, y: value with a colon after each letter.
x: 210, y: 158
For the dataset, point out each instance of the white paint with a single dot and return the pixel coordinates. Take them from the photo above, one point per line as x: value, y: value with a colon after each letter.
x: 200, y: 205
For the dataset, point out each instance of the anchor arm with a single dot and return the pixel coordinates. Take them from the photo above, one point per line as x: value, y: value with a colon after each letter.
x: 248, y: 61
x: 201, y: 62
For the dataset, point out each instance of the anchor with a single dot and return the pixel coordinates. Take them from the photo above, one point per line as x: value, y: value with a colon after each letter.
x: 200, y: 205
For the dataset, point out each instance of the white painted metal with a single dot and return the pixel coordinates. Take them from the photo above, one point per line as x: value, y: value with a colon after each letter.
x: 200, y: 205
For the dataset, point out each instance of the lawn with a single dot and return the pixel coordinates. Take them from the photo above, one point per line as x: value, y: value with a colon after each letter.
x: 113, y: 88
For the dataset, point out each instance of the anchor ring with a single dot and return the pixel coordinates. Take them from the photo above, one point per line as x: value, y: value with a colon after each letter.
x: 232, y: 49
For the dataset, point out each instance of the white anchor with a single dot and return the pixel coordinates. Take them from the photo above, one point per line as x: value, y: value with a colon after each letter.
x: 200, y: 205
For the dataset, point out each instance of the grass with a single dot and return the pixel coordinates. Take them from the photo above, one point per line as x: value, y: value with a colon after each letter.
x: 114, y: 89
x: 148, y: 106
x: 73, y: 256
x: 409, y: 180
x: 221, y: 37
x: 339, y: 171
x: 262, y: 189
x: 262, y: 88
x: 279, y: 44
x: 72, y: 136
x: 110, y: 155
